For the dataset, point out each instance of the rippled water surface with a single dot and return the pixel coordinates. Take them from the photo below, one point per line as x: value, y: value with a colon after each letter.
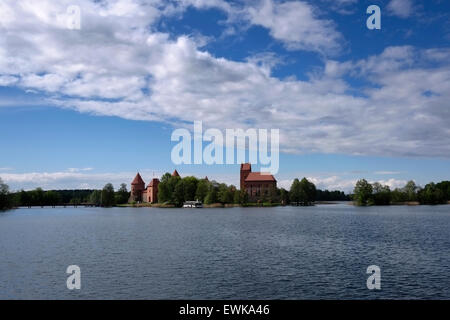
x: 319, y: 252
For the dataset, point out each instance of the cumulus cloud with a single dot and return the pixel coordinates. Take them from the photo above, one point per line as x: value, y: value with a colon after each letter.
x: 342, y: 6
x: 401, y: 8
x: 392, y: 183
x: 79, y: 169
x: 87, y: 178
x: 84, y: 178
x: 333, y: 183
x: 388, y: 173
x: 297, y: 25
x: 69, y: 179
x: 119, y: 64
x: 342, y: 183
x: 323, y: 182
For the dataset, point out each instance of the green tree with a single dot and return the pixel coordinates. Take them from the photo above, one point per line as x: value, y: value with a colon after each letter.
x: 122, y: 195
x: 37, y: 197
x: 362, y: 192
x: 25, y: 199
x: 237, y: 197
x: 166, y: 188
x: 52, y: 198
x: 211, y: 197
x: 108, y: 196
x: 173, y: 181
x: 273, y: 196
x: 284, y: 196
x: 398, y: 196
x: 445, y: 187
x: 4, y: 196
x: 96, y: 198
x: 295, y: 192
x: 381, y: 194
x: 225, y: 194
x: 243, y: 197
x: 431, y: 195
x: 302, y: 192
x: 190, y: 188
x: 308, y: 192
x: 202, y: 189
x: 410, y: 189
x: 178, y: 193
x: 166, y: 177
x: 164, y: 194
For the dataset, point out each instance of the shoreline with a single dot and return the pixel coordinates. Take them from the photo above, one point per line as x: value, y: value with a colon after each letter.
x: 220, y: 205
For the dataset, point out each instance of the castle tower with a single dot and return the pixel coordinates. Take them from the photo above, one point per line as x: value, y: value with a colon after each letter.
x: 175, y: 173
x: 246, y: 168
x: 152, y: 190
x: 137, y: 187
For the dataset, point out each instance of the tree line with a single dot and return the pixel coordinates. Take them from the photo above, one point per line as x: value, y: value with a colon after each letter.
x: 367, y: 194
x: 106, y: 197
x: 172, y: 190
x: 176, y: 190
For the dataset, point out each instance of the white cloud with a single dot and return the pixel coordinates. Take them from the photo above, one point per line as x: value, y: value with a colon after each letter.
x: 392, y: 183
x: 401, y: 8
x: 83, y: 178
x: 333, y: 183
x: 118, y: 64
x: 342, y: 183
x: 70, y: 179
x: 387, y: 172
x: 342, y: 6
x: 79, y: 169
x: 297, y: 25
x: 6, y: 80
x: 323, y: 182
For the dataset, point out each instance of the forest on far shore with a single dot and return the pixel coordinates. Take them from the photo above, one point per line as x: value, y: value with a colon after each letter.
x: 189, y: 188
x: 176, y: 190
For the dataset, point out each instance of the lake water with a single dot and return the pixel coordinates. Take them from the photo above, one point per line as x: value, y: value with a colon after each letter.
x: 319, y: 252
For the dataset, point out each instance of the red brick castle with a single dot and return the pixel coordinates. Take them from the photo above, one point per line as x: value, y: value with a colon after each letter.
x: 140, y: 193
x: 256, y: 184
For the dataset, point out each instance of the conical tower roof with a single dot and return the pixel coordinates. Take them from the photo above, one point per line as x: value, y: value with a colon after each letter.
x: 138, y: 180
x: 175, y: 173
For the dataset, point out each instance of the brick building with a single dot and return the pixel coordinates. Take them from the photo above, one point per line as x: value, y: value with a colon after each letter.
x: 140, y: 193
x: 256, y: 184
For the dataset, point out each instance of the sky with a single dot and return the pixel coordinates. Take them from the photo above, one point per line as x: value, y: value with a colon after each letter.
x: 81, y: 107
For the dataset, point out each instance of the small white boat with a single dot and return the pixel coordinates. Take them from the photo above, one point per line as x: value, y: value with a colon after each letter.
x: 193, y: 204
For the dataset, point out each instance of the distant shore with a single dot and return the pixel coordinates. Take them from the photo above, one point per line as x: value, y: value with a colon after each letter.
x: 259, y: 205
x: 220, y: 205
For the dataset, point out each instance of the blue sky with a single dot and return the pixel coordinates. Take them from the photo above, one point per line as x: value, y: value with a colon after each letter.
x: 80, y: 108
